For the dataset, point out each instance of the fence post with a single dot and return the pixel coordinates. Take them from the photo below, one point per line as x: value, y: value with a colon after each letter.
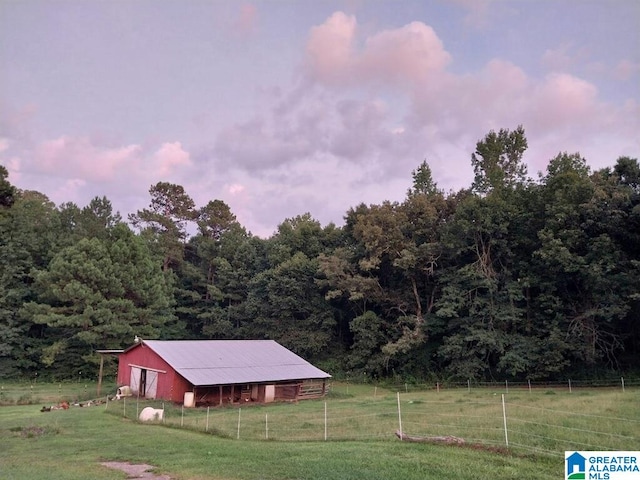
x: 239, y: 414
x: 438, y: 387
x: 504, y: 418
x: 529, y: 382
x: 622, y: 380
x: 569, y: 385
x: 206, y: 428
x: 399, y: 416
x: 106, y: 406
x: 325, y: 421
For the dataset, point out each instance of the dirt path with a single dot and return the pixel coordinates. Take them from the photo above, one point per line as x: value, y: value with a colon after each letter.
x: 136, y: 471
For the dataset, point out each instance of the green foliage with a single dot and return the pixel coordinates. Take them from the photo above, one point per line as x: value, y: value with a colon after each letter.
x: 497, y: 162
x: 98, y: 294
x: 165, y: 222
x: 7, y: 191
x: 506, y: 279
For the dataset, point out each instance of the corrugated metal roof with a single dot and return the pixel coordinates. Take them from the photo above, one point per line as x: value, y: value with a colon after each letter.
x: 225, y: 362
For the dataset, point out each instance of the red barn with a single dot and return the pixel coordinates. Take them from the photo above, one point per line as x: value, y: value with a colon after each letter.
x: 215, y: 372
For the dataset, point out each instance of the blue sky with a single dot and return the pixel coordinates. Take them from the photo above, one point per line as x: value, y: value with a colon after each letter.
x: 286, y: 107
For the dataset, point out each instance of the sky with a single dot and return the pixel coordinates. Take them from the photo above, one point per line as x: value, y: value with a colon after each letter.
x: 281, y: 107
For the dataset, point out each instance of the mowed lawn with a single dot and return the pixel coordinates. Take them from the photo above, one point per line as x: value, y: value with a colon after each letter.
x: 70, y: 444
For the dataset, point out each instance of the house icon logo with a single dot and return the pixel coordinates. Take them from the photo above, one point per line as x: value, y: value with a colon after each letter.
x: 575, y: 466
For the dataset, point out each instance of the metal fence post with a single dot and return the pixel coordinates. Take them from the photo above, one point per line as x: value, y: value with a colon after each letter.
x: 399, y: 416
x: 325, y: 421
x: 504, y: 417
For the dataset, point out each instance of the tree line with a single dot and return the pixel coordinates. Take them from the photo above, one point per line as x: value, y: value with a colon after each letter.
x: 509, y: 278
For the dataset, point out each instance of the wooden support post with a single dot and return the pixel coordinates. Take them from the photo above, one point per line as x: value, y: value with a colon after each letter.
x: 100, y: 375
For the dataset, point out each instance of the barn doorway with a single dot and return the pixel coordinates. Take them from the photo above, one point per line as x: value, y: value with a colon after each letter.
x: 144, y: 382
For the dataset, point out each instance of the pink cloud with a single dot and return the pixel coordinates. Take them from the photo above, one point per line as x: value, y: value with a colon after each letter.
x: 329, y: 48
x: 247, y: 19
x: 235, y: 189
x: 626, y: 69
x: 410, y: 55
x: 563, y: 100
x: 77, y: 156
x: 370, y: 108
x: 80, y: 157
x: 170, y: 157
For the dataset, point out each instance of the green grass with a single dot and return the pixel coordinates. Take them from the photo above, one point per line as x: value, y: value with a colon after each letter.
x: 70, y: 444
x: 592, y: 420
x: 34, y: 393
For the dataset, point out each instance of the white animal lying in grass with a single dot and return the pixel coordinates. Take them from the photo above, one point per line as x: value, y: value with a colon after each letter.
x: 149, y: 414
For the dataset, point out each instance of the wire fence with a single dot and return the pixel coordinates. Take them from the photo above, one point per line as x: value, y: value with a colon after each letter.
x: 531, y: 386
x: 542, y: 422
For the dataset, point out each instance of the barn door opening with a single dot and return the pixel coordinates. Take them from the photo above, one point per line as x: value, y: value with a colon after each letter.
x: 134, y: 382
x: 144, y: 382
x: 152, y: 384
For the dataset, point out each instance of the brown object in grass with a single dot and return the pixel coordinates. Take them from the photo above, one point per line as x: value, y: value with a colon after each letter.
x: 447, y: 439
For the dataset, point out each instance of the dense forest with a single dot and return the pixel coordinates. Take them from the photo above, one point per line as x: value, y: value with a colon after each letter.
x: 510, y: 278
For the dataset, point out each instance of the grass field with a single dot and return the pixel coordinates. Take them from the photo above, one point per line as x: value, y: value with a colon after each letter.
x: 30, y: 393
x: 69, y: 444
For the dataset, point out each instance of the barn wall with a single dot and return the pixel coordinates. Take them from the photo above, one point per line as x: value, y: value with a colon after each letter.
x: 170, y: 385
x: 178, y: 386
